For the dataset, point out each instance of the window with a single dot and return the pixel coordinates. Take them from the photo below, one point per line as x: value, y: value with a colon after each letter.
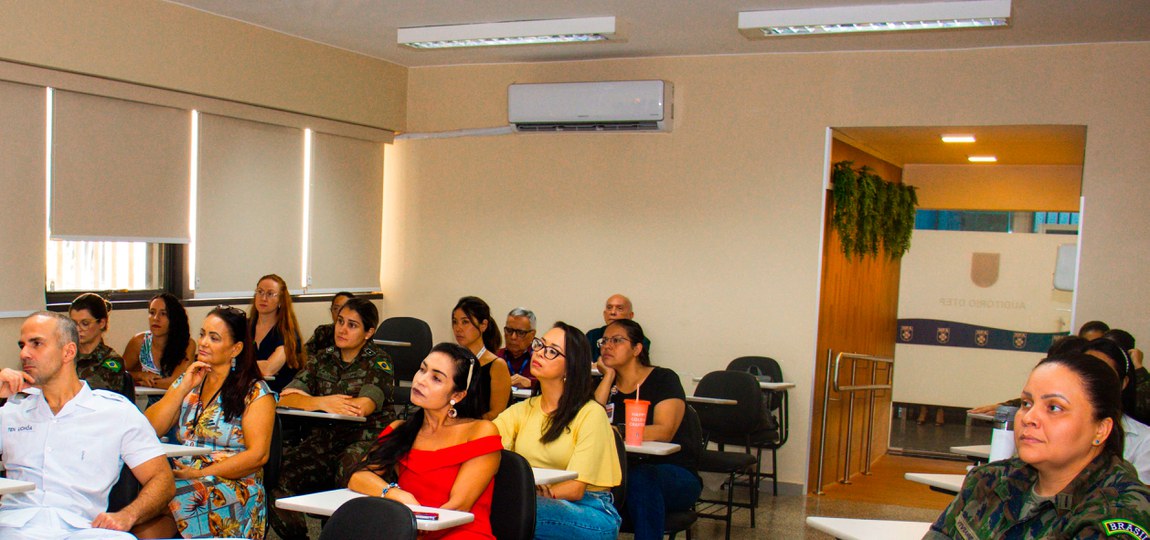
x: 994, y: 221
x: 77, y: 266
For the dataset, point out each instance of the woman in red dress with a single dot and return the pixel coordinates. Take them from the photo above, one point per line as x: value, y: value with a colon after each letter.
x: 443, y: 456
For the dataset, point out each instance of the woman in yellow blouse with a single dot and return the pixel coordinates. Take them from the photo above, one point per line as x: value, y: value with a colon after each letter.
x: 565, y: 428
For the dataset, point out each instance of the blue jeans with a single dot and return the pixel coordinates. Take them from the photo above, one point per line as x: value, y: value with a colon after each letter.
x: 590, y: 518
x: 655, y: 489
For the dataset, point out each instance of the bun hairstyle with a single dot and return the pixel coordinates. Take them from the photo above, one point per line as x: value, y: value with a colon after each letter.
x: 1125, y: 368
x: 1121, y: 337
x: 94, y: 304
x: 635, y: 335
x: 1101, y: 386
x: 478, y: 311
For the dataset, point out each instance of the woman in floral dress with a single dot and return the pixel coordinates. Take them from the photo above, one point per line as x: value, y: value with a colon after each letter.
x: 220, y: 402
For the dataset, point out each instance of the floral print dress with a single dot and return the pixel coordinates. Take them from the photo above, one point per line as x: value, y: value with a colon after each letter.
x: 212, y: 506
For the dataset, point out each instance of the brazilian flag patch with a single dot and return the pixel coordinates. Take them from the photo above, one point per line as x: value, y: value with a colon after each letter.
x: 113, y: 365
x: 384, y: 364
x: 1115, y: 527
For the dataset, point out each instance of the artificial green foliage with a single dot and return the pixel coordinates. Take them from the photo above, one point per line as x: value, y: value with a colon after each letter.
x: 870, y: 212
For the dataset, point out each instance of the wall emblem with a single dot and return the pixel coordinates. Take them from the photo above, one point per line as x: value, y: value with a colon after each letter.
x: 943, y: 335
x: 1019, y: 340
x: 984, y: 268
x: 981, y: 337
x: 906, y: 333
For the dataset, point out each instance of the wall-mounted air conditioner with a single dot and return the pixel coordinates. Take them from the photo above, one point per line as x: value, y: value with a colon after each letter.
x: 590, y: 106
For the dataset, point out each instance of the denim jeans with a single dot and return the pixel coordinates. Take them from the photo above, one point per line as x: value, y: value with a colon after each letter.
x: 655, y: 489
x: 590, y: 518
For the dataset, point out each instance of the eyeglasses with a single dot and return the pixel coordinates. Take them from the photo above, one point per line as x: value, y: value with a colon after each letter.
x: 613, y: 340
x: 266, y: 294
x: 549, y: 351
x: 515, y: 332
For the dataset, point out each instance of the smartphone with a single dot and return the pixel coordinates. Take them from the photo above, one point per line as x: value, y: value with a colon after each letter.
x: 426, y: 516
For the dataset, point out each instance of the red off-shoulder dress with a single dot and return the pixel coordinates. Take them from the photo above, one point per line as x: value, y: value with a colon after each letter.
x: 429, y: 474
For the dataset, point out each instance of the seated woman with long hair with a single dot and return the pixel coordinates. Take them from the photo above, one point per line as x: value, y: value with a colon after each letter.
x: 444, y: 455
x: 156, y: 357
x: 96, y: 362
x: 275, y: 332
x: 475, y: 328
x: 1069, y: 479
x: 655, y: 485
x: 354, y: 378
x: 1136, y: 446
x: 220, y: 402
x: 565, y: 428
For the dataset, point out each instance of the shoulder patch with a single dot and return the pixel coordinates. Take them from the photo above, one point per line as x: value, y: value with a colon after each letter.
x: 383, y: 363
x: 1115, y: 527
x: 113, y: 364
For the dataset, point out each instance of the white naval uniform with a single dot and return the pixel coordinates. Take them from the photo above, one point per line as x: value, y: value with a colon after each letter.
x: 73, y: 458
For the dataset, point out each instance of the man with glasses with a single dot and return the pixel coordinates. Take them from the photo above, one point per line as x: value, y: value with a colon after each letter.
x: 324, y: 335
x: 518, y: 333
x: 617, y: 307
x: 71, y: 442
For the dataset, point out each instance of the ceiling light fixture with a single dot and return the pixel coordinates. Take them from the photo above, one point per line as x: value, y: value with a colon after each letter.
x: 955, y: 138
x: 982, y: 159
x: 580, y: 30
x: 875, y: 18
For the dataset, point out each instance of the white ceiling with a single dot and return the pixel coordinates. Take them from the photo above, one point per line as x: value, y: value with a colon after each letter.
x: 659, y: 27
x: 652, y: 28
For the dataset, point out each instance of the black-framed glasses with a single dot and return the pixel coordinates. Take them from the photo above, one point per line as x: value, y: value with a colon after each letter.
x: 515, y: 332
x: 613, y: 340
x: 549, y: 351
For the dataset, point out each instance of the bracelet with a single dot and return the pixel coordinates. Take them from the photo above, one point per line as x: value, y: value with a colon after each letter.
x: 388, y: 488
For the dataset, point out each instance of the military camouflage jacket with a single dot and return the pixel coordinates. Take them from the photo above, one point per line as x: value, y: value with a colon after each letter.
x: 1104, y: 500
x: 322, y: 338
x: 370, y: 375
x: 102, y: 368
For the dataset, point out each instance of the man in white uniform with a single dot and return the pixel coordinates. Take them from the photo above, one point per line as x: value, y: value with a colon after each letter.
x: 71, y: 442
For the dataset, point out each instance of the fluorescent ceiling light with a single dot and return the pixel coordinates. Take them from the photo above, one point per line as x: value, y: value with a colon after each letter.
x: 509, y: 33
x: 955, y: 138
x: 982, y: 159
x: 875, y: 18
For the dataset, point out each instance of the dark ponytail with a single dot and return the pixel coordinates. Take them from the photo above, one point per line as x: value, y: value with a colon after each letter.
x: 478, y: 311
x: 1101, y: 386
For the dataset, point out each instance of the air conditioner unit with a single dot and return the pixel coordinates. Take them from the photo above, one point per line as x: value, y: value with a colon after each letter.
x: 590, y: 106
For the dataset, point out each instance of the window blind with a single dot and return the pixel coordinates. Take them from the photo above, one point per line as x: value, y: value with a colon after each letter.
x: 22, y: 169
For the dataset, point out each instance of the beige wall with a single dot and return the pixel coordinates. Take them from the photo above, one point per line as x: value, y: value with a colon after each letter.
x: 1050, y: 188
x: 169, y: 46
x: 714, y: 229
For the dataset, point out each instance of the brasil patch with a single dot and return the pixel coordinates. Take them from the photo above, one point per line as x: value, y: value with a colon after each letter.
x: 1114, y: 527
x: 384, y: 364
x: 114, y: 365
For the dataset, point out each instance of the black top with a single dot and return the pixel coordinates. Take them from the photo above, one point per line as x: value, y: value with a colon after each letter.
x: 266, y: 348
x: 661, y: 384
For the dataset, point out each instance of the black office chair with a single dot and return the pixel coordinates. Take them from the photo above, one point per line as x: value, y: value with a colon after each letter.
x: 128, y: 386
x: 405, y: 360
x: 680, y: 521
x: 730, y: 422
x: 513, y: 499
x: 370, y: 518
x: 776, y: 409
x: 124, y: 491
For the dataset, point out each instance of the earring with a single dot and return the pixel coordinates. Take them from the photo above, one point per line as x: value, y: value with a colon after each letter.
x: 1097, y: 442
x: 452, y: 413
x: 233, y: 363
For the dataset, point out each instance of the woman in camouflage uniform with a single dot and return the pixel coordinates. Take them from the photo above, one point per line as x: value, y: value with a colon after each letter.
x: 96, y: 362
x: 1069, y: 479
x: 353, y: 378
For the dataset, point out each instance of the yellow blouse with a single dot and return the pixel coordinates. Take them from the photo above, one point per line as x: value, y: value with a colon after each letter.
x: 586, y: 447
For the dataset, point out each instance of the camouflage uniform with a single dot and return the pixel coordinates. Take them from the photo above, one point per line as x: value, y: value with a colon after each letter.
x: 322, y: 338
x: 1141, y: 410
x: 103, y: 369
x: 324, y: 459
x: 1105, y: 499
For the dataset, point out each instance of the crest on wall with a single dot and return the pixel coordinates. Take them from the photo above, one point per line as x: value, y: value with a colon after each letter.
x: 984, y: 268
x: 906, y: 333
x: 1019, y: 340
x: 943, y: 335
x: 981, y: 337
